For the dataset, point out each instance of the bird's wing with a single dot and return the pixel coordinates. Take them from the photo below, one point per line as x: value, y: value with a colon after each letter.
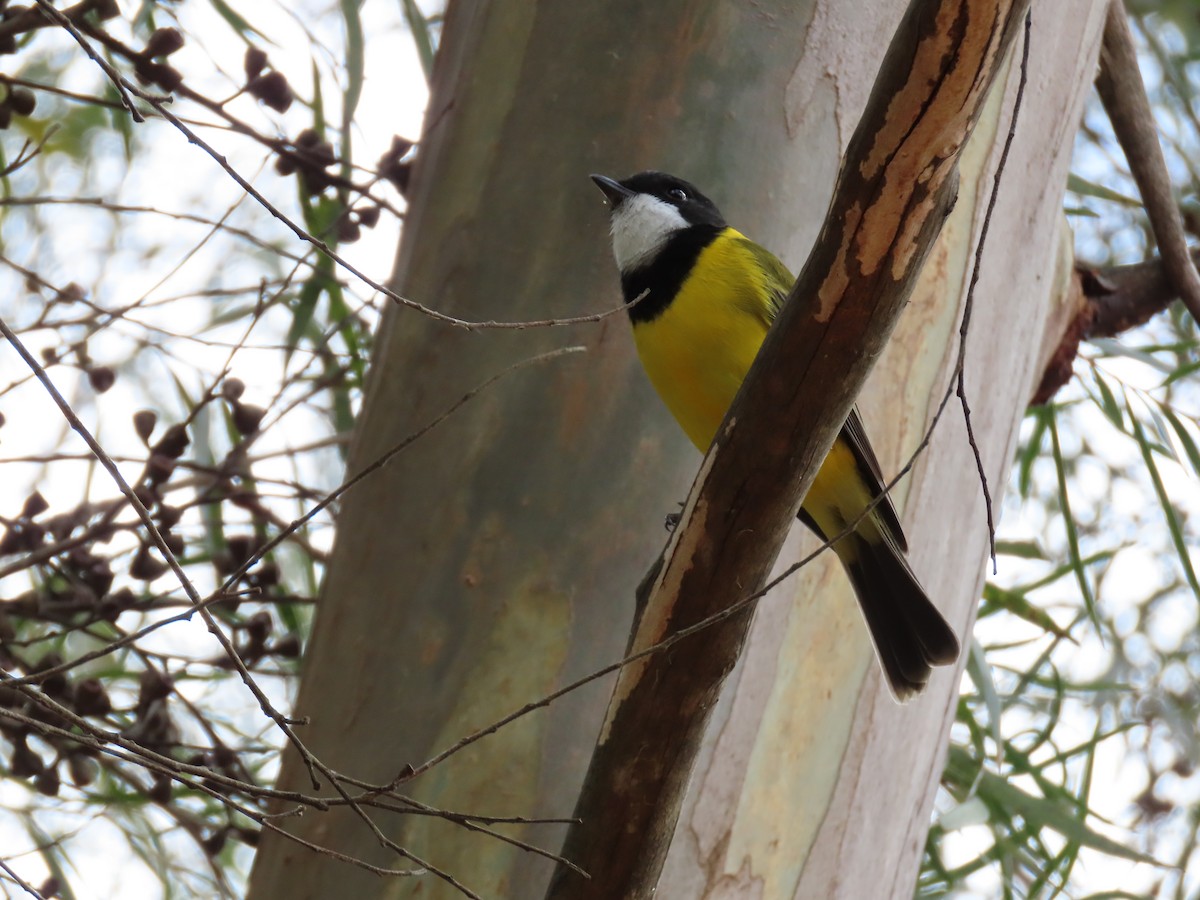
x: 855, y: 436
x: 779, y: 281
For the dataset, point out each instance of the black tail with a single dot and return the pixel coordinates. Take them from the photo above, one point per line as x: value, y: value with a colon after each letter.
x: 909, y: 633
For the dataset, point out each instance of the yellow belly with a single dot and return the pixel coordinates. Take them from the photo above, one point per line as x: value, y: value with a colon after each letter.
x: 696, y: 359
x: 698, y: 351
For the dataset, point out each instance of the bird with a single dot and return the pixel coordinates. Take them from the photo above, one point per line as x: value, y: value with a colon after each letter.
x: 701, y: 296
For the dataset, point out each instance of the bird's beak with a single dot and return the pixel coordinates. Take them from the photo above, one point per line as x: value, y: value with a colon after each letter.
x: 615, y: 192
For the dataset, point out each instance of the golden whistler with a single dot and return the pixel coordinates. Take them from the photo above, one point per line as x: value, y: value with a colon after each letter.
x: 702, y: 297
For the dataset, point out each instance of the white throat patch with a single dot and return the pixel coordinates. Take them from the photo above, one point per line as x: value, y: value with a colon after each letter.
x: 640, y: 227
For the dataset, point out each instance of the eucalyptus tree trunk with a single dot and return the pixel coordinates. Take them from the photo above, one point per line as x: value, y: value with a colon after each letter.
x: 814, y: 782
x: 496, y: 558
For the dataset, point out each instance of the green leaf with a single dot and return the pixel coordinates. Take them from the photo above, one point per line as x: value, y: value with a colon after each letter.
x: 971, y: 811
x: 1059, y: 814
x: 1112, y: 347
x: 1064, y: 818
x: 1184, y: 437
x: 422, y: 36
x: 236, y: 313
x: 1017, y: 603
x: 1077, y: 565
x: 1070, y: 853
x: 180, y: 388
x: 319, y: 218
x: 1020, y: 549
x: 79, y: 124
x: 1108, y: 400
x: 1032, y: 450
x: 318, y: 102
x: 1168, y: 508
x: 238, y: 23
x: 1182, y: 372
x: 143, y: 18
x: 211, y: 514
x: 354, y: 69
x: 1079, y: 185
x: 1163, y: 445
x: 981, y: 675
x: 303, y: 310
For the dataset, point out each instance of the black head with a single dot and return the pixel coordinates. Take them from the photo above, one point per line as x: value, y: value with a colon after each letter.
x: 695, y: 208
x: 652, y: 211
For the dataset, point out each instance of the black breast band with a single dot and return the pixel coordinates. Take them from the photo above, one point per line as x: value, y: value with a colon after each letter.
x: 665, y: 275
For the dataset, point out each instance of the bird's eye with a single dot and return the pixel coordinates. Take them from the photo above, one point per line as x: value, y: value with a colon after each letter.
x: 677, y: 194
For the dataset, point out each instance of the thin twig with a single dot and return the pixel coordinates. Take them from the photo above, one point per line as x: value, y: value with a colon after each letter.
x: 469, y: 823
x: 969, y: 304
x: 125, y: 87
x: 199, y: 605
x: 155, y: 535
x: 387, y: 457
x: 342, y: 262
x: 225, y: 591
x: 103, y: 204
x: 122, y: 86
x: 20, y: 882
x: 207, y: 779
x: 29, y: 152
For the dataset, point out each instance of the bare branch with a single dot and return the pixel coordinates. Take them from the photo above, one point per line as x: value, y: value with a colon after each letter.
x: 1124, y: 97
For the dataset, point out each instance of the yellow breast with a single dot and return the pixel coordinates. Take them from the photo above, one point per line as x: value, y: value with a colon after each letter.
x: 699, y: 349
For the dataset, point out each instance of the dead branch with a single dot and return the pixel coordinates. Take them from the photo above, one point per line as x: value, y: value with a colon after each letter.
x: 1109, y: 301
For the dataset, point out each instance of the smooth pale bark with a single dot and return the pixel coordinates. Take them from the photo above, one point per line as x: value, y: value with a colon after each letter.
x: 814, y: 782
x: 496, y: 559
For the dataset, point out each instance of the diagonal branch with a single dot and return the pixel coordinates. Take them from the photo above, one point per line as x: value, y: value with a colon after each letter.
x: 896, y: 185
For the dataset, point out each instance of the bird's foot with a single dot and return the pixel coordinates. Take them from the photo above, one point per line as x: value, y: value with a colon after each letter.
x: 672, y: 520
